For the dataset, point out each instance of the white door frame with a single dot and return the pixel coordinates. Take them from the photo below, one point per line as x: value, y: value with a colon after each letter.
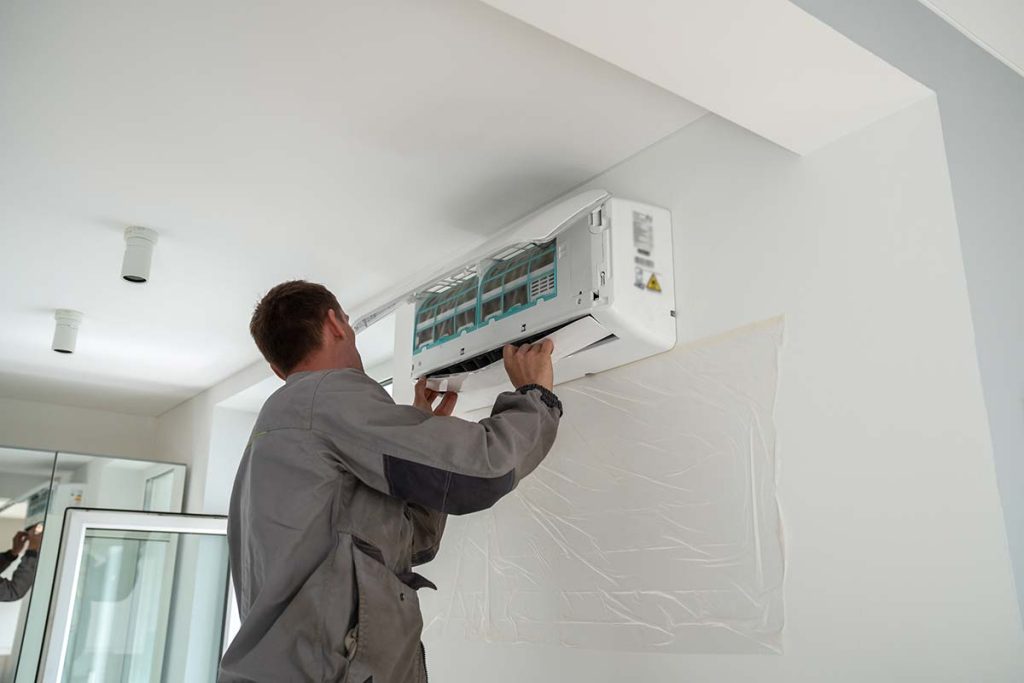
x: 77, y: 521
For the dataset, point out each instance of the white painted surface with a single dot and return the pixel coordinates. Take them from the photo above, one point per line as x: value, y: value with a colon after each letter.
x: 228, y: 438
x: 185, y: 434
x: 982, y: 108
x: 251, y: 399
x: 339, y: 142
x: 763, y: 64
x: 897, y: 564
x: 995, y: 25
x: 28, y: 424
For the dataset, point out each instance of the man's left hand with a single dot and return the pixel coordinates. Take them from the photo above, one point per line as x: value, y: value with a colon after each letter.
x: 425, y: 400
x: 18, y: 543
x: 35, y: 538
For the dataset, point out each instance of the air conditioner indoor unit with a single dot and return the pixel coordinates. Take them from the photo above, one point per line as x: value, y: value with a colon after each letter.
x: 592, y: 272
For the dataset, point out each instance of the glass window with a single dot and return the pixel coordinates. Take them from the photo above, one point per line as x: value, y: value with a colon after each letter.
x: 138, y: 597
x: 159, y: 495
x: 81, y: 481
x: 24, y: 494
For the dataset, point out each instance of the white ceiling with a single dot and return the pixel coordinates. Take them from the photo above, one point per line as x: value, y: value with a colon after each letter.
x: 995, y: 25
x: 346, y: 143
x: 766, y: 65
x: 29, y: 462
x: 17, y: 511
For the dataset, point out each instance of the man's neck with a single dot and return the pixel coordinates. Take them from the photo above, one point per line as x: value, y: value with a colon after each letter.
x: 319, y: 361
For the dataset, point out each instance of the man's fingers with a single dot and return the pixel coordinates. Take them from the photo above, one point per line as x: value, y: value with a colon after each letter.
x: 541, y: 348
x: 447, y: 404
x: 425, y: 392
x: 508, y: 351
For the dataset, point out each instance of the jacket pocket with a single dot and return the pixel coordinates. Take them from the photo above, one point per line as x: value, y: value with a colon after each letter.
x: 389, y: 623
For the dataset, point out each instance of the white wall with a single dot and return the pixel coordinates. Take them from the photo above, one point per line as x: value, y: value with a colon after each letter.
x: 46, y: 426
x: 897, y: 562
x: 113, y: 487
x: 228, y: 439
x: 184, y: 434
x: 982, y: 105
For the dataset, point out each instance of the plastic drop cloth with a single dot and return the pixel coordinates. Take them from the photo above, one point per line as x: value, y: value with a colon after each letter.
x: 651, y: 527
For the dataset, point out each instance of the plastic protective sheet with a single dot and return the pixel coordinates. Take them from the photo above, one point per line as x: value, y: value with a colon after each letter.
x: 651, y: 527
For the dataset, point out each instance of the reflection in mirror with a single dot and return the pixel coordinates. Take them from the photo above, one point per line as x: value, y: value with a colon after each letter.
x: 86, y: 481
x: 24, y: 489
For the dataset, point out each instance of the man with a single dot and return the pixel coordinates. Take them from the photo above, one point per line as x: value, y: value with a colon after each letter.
x: 340, y: 492
x: 15, y: 588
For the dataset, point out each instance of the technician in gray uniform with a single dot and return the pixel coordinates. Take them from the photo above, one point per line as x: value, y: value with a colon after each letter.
x: 15, y: 588
x: 340, y: 492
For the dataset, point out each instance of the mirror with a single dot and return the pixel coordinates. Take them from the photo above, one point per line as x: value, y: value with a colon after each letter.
x: 24, y: 484
x: 36, y: 488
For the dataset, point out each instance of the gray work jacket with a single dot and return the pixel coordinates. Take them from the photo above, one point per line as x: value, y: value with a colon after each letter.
x: 15, y: 588
x: 339, y: 493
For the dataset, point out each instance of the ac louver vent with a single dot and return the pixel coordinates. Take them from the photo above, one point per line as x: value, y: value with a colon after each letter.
x: 542, y: 286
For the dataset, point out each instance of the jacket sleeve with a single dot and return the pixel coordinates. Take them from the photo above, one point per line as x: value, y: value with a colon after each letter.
x: 15, y: 588
x: 444, y: 464
x: 6, y: 558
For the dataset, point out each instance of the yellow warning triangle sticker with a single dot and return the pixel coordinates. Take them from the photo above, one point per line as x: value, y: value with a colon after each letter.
x: 653, y: 283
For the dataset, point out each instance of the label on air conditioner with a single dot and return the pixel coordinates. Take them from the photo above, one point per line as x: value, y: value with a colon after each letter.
x: 643, y: 232
x: 644, y: 278
x: 644, y: 275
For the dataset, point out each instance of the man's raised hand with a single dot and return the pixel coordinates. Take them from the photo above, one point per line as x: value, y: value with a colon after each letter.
x: 425, y: 398
x: 530, y: 364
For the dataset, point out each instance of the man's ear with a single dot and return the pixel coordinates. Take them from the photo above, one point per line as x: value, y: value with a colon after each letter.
x: 334, y: 325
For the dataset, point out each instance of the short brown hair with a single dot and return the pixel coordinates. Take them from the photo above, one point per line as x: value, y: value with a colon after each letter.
x: 288, y: 322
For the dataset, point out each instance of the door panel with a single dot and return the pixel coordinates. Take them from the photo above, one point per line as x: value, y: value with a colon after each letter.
x: 137, y: 598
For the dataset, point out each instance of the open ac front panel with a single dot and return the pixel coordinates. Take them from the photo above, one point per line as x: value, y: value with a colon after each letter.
x: 612, y: 264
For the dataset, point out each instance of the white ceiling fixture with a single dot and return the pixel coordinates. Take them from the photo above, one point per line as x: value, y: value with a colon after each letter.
x: 65, y: 333
x: 138, y: 253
